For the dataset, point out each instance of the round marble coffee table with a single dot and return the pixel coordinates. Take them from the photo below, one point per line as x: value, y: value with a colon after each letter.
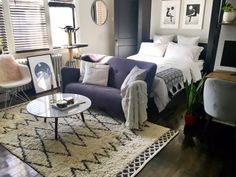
x: 42, y: 107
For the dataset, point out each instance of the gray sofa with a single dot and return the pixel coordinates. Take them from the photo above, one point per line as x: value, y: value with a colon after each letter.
x: 107, y: 98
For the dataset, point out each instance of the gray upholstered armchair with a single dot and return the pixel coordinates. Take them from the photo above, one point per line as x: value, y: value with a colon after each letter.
x: 219, y: 100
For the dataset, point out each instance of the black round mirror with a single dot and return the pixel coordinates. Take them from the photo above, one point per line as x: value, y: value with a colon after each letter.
x: 99, y: 12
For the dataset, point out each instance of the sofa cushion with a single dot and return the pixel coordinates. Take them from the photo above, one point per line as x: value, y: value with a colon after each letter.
x: 83, y: 65
x: 135, y: 74
x: 106, y: 98
x: 96, y: 74
x: 120, y: 68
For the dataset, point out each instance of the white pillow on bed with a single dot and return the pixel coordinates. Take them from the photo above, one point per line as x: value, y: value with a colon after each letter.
x: 163, y: 39
x: 188, y: 40
x: 200, y: 64
x: 183, y: 51
x: 152, y: 49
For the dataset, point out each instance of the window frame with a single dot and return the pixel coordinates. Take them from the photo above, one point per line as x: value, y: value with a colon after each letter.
x: 10, y: 37
x: 65, y: 5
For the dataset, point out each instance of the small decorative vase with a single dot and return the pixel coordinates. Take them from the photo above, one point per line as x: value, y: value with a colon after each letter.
x: 229, y: 17
x: 190, y: 120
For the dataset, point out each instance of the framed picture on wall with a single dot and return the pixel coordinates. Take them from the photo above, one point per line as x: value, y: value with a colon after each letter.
x: 42, y: 72
x: 193, y: 14
x: 170, y: 14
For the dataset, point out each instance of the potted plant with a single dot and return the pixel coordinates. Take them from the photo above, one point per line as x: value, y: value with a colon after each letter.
x: 229, y: 12
x: 193, y: 93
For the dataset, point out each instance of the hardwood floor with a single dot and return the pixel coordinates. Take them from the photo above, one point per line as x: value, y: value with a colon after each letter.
x: 202, y: 155
x: 11, y: 166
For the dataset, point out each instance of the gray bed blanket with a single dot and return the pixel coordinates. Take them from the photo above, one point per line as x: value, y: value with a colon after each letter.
x: 173, y: 79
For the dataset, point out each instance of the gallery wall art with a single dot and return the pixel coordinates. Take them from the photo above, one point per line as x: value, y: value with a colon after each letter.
x: 170, y: 11
x: 193, y: 14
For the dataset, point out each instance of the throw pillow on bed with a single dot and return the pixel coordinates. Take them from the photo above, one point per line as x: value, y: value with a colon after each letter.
x: 188, y: 40
x: 163, y: 39
x: 96, y: 74
x: 135, y: 74
x: 183, y: 51
x: 152, y: 49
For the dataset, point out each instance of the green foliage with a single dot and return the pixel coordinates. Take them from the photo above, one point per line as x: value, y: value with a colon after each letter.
x: 193, y: 93
x: 228, y: 7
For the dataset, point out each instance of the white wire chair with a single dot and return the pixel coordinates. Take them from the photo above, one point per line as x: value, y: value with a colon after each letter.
x: 14, y: 89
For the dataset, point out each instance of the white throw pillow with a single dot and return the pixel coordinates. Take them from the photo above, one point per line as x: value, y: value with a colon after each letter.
x: 183, y: 51
x: 163, y: 39
x: 83, y: 65
x: 152, y: 49
x: 135, y: 74
x: 96, y: 74
x: 188, y: 40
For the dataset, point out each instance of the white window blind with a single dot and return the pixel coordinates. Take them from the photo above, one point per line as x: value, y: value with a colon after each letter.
x: 3, y: 36
x: 29, y: 25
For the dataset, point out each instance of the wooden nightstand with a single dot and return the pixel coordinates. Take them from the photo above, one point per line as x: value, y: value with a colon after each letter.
x: 224, y: 75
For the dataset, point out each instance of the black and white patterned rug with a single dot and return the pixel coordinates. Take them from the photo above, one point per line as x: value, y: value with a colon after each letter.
x: 101, y: 146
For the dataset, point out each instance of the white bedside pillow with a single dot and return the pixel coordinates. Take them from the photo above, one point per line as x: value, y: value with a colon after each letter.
x: 152, y: 49
x: 163, y: 39
x: 188, y: 40
x: 183, y: 51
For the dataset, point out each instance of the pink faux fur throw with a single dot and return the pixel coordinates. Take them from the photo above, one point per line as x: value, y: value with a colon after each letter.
x: 9, y: 69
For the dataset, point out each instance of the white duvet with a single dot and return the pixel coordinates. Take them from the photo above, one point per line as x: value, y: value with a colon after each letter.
x: 190, y: 70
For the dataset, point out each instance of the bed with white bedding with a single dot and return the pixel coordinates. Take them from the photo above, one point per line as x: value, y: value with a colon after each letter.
x: 176, y: 58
